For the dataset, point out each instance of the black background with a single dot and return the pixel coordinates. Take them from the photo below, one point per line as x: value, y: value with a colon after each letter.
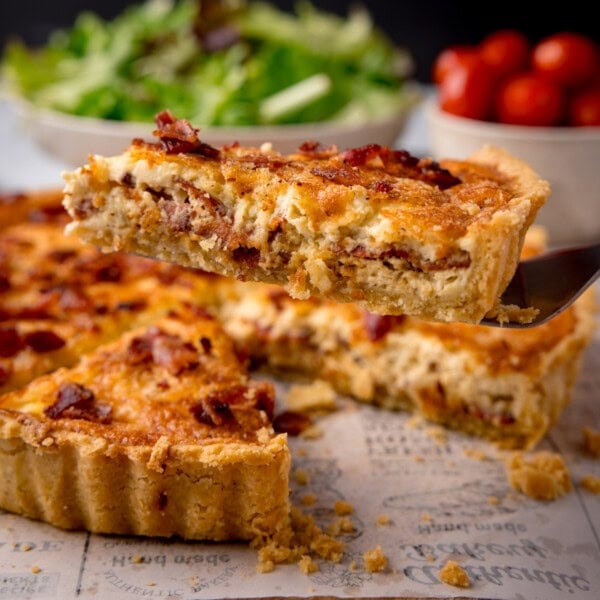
x: 423, y: 27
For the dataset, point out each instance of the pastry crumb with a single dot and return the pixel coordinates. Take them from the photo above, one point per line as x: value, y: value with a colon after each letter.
x: 591, y: 483
x: 35, y: 569
x: 383, y: 519
x: 341, y: 525
x: 136, y: 558
x: 453, y: 574
x: 301, y: 476
x: 494, y: 500
x: 476, y: 454
x: 342, y: 507
x: 542, y: 475
x: 308, y: 499
x: 303, y: 538
x: 307, y: 565
x: 318, y: 395
x: 312, y: 432
x: 375, y: 560
x: 425, y: 517
x: 591, y: 441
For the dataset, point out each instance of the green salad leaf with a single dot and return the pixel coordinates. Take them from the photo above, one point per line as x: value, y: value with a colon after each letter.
x: 253, y: 64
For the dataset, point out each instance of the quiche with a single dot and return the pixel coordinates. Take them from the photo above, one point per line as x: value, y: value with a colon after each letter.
x: 159, y: 433
x: 373, y: 226
x: 60, y: 298
x: 506, y: 385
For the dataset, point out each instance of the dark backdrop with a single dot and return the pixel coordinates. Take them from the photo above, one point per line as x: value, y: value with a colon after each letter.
x: 424, y: 27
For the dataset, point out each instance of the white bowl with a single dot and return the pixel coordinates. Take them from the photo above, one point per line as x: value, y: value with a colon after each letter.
x: 567, y: 157
x: 72, y: 139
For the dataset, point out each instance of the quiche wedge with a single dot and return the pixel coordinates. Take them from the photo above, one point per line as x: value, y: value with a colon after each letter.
x: 159, y: 433
x: 371, y: 225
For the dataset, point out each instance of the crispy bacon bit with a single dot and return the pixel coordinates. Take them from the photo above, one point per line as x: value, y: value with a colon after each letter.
x: 84, y: 208
x: 378, y: 326
x: 75, y: 401
x: 313, y: 149
x: 292, y: 423
x: 263, y: 396
x: 42, y: 341
x: 206, y: 344
x: 248, y: 256
x: 11, y: 342
x: 401, y: 163
x: 60, y: 256
x: 139, y: 351
x: 339, y: 175
x: 4, y: 374
x: 164, y: 349
x: 220, y: 406
x: 171, y: 352
x: 179, y: 136
x: 178, y: 216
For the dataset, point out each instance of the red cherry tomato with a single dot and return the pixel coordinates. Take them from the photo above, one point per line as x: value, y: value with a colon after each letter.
x: 569, y: 59
x: 506, y: 51
x: 467, y: 89
x: 448, y: 59
x: 530, y: 99
x: 584, y: 108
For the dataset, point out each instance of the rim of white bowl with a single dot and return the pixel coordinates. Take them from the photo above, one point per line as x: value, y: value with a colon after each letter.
x: 132, y: 129
x: 504, y: 131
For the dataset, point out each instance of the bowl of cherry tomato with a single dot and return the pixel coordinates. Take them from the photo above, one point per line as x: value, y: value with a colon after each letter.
x: 541, y: 102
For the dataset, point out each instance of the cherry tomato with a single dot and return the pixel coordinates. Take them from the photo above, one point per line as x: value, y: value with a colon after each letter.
x: 506, y: 51
x: 530, y: 99
x: 448, y: 59
x: 467, y: 89
x: 584, y: 108
x: 569, y: 59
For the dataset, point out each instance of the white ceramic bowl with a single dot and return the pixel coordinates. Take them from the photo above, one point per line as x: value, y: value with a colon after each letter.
x: 72, y: 139
x: 568, y: 157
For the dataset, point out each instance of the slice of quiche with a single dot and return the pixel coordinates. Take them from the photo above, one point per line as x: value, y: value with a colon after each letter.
x: 506, y: 385
x: 160, y: 433
x: 370, y: 225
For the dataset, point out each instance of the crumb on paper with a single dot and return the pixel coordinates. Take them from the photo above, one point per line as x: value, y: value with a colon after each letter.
x: 438, y: 434
x: 303, y: 537
x: 341, y: 525
x: 35, y: 569
x: 26, y: 547
x: 418, y: 458
x: 341, y: 507
x: 307, y: 565
x: 301, y: 476
x: 308, y: 499
x: 383, y: 519
x: 302, y: 452
x: 542, y: 475
x: 426, y: 517
x: 453, y: 574
x: 415, y: 421
x: 591, y: 483
x: 494, y: 500
x: 375, y: 560
x: 316, y: 396
x: 137, y: 558
x: 151, y: 583
x: 353, y: 566
x: 312, y: 432
x: 476, y: 454
x: 591, y: 441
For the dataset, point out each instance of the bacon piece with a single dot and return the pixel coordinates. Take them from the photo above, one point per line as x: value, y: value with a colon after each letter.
x: 164, y: 349
x: 43, y: 341
x: 178, y: 136
x: 378, y: 326
x: 291, y: 422
x: 75, y: 401
x: 11, y: 342
x: 401, y: 163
